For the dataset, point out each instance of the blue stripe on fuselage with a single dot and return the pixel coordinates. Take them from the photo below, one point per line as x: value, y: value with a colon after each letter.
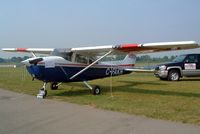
x: 63, y: 73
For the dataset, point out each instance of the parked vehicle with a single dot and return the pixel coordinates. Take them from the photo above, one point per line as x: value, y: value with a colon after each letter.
x: 184, y: 65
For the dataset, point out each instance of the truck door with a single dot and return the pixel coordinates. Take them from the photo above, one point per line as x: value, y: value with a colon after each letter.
x: 198, y: 65
x: 191, y: 65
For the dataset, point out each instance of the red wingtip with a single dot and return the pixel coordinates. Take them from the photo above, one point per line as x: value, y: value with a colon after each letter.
x: 21, y: 49
x: 128, y: 47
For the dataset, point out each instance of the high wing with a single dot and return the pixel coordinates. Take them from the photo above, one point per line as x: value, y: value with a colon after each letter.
x: 122, y: 48
x: 103, y: 51
x: 137, y: 48
x: 34, y: 50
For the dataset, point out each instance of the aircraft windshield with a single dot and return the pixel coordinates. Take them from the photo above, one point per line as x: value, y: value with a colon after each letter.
x: 62, y: 53
x: 114, y: 57
x: 179, y: 58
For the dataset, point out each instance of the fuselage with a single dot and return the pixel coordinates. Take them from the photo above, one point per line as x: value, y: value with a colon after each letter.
x: 58, y: 69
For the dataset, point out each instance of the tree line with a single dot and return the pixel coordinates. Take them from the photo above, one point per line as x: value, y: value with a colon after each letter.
x: 147, y: 58
x: 13, y: 59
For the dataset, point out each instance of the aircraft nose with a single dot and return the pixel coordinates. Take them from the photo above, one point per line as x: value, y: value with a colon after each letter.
x: 25, y: 62
x: 32, y: 61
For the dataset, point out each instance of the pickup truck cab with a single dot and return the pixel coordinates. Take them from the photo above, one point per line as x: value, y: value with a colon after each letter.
x: 184, y: 65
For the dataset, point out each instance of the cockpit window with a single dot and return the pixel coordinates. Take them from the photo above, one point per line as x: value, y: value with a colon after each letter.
x: 70, y: 56
x: 83, y: 59
x: 114, y: 57
x: 62, y: 53
x: 67, y: 56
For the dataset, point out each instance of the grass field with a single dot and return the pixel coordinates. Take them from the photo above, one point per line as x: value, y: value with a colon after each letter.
x: 139, y: 94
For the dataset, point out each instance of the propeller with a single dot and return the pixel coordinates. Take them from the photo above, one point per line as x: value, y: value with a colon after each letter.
x: 32, y: 61
x: 35, y: 61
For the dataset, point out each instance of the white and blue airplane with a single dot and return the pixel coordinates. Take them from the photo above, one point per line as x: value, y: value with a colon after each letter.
x: 85, y: 63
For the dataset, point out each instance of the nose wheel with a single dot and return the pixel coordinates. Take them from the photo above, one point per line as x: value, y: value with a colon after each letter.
x: 42, y: 92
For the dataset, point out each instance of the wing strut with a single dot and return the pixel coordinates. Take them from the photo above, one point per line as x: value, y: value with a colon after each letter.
x: 33, y: 54
x: 84, y: 69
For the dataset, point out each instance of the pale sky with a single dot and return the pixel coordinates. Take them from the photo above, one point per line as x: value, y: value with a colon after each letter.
x: 75, y: 23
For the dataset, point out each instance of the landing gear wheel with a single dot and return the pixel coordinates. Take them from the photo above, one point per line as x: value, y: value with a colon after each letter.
x: 45, y: 93
x: 96, y: 90
x: 173, y: 75
x: 42, y: 93
x: 54, y: 86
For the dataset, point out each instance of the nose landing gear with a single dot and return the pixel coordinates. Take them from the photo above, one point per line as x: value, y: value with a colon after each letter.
x: 42, y: 92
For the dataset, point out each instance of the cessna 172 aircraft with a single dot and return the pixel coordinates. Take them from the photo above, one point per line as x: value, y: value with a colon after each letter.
x: 85, y: 63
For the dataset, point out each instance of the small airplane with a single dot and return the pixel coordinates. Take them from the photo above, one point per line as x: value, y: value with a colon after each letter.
x: 64, y: 65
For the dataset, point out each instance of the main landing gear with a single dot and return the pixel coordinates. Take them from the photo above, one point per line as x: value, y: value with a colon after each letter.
x: 54, y: 85
x: 95, y: 90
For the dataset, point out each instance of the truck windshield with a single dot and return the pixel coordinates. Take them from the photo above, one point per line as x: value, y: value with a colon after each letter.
x: 179, y: 58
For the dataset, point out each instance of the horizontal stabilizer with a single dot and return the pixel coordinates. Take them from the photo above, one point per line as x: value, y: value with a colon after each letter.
x: 141, y: 70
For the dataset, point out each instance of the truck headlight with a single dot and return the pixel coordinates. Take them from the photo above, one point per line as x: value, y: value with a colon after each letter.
x: 163, y: 67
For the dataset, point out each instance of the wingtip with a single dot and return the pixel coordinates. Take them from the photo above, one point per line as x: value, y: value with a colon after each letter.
x: 14, y: 49
x: 8, y: 49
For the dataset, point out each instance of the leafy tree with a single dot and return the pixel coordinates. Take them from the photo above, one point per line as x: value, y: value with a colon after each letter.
x: 2, y: 60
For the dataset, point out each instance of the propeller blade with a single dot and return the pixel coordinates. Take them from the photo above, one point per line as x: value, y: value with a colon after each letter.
x: 32, y: 61
x: 35, y: 61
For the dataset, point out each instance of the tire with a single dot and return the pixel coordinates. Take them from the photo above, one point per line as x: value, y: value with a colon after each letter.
x: 54, y: 86
x: 96, y: 90
x: 173, y: 75
x: 45, y: 92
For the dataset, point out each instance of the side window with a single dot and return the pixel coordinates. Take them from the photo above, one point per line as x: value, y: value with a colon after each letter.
x: 191, y: 59
x: 90, y: 61
x: 67, y: 56
x: 81, y: 59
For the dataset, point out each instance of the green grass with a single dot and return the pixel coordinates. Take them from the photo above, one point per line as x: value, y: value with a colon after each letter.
x: 137, y: 93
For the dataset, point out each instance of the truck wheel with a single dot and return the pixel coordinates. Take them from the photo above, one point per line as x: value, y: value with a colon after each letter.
x: 173, y: 75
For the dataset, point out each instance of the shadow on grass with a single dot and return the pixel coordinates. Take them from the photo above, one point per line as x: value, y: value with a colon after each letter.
x: 161, y: 92
x: 135, y: 83
x: 79, y: 88
x: 77, y: 92
x: 128, y: 87
x: 185, y: 79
